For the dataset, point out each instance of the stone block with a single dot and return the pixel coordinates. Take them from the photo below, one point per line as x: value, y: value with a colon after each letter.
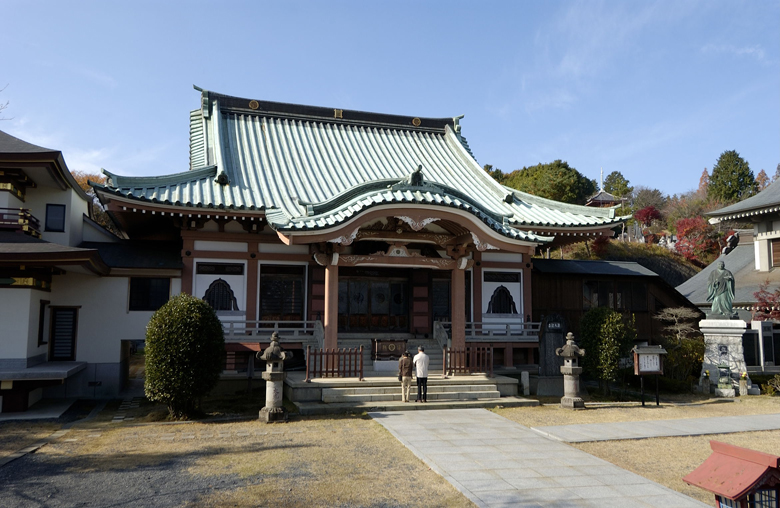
x: 724, y: 392
x: 525, y: 379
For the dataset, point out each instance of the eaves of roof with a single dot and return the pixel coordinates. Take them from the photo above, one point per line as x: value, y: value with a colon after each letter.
x: 425, y: 195
x: 592, y: 267
x: 765, y: 202
x: 16, y: 248
x: 18, y: 150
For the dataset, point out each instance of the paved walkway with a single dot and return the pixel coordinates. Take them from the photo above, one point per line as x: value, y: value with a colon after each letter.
x: 660, y: 428
x: 498, y: 463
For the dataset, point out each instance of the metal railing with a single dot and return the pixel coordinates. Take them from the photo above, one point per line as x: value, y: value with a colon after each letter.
x: 289, y: 331
x: 20, y: 219
x: 334, y: 363
x: 471, y: 360
x: 491, y: 331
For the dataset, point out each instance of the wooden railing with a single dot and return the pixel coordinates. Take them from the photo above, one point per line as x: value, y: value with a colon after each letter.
x: 20, y: 219
x: 289, y: 331
x: 471, y: 360
x: 334, y: 363
x: 492, y: 331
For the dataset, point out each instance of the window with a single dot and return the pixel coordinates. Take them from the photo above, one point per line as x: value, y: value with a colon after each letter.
x: 622, y: 296
x: 43, y: 321
x: 220, y: 269
x: 149, y: 293
x: 64, y: 323
x: 55, y: 218
x: 220, y: 296
x: 765, y: 498
x: 727, y: 503
x: 282, y: 293
x: 502, y: 302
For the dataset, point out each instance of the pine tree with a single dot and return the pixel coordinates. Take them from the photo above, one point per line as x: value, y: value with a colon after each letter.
x: 731, y: 178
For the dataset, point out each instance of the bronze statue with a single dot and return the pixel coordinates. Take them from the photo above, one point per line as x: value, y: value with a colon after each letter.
x: 720, y: 291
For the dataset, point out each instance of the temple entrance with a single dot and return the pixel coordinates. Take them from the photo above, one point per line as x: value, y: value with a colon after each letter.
x: 374, y: 301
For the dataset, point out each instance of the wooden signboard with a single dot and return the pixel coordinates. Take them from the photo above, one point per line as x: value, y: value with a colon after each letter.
x: 648, y: 360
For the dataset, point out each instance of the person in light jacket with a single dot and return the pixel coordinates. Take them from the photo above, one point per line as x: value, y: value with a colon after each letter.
x: 421, y: 362
x: 405, y: 375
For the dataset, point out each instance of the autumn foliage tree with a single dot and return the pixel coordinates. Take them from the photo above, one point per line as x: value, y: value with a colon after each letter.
x: 696, y: 239
x: 98, y: 213
x: 647, y: 215
x: 767, y: 306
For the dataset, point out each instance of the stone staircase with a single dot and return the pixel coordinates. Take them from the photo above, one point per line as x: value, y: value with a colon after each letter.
x: 432, y: 349
x: 393, y: 393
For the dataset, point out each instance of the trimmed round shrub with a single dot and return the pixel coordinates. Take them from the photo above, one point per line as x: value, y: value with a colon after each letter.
x: 185, y: 348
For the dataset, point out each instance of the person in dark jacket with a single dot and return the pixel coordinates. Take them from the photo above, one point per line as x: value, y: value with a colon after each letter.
x: 405, y: 375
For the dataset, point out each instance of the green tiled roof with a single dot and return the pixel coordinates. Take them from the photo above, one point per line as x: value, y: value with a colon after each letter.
x: 312, y: 168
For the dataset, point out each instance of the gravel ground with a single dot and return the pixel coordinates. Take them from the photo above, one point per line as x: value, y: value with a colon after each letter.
x: 37, y: 480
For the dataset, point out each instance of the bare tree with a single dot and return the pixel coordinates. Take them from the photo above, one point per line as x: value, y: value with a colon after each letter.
x: 679, y: 323
x: 4, y: 105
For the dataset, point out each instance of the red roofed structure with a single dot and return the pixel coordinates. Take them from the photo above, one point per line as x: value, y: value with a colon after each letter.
x: 739, y: 477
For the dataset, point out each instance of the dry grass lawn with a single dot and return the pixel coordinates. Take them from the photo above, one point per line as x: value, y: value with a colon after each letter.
x: 334, y: 461
x: 15, y: 436
x: 553, y: 414
x: 666, y: 460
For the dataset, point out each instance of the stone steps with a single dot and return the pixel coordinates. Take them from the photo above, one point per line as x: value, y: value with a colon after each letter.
x: 320, y: 408
x: 431, y: 349
x: 393, y: 393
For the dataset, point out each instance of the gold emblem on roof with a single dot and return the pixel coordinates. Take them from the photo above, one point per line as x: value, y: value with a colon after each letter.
x: 416, y: 122
x: 338, y: 113
x: 254, y: 104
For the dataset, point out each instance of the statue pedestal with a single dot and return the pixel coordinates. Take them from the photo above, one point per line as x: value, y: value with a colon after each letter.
x: 723, y: 346
x: 725, y: 392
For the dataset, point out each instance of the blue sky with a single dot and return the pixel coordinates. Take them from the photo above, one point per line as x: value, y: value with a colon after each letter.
x: 655, y: 90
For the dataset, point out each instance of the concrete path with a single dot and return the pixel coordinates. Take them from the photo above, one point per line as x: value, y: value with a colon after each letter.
x: 660, y: 428
x: 498, y: 463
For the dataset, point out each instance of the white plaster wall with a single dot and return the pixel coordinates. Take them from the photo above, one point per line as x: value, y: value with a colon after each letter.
x: 15, y: 329
x: 221, y: 246
x: 503, y: 257
x: 75, y: 208
x: 8, y: 200
x: 103, y: 320
x: 93, y: 233
x: 76, y: 211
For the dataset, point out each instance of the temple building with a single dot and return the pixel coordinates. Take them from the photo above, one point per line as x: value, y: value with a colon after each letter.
x: 345, y: 224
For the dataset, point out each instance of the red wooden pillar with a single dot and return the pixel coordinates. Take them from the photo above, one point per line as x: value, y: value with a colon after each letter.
x: 331, y: 321
x: 252, y: 284
x: 509, y: 353
x: 458, y: 290
x: 188, y: 245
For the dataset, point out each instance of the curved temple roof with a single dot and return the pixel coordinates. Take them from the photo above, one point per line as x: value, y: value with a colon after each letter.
x: 765, y: 202
x: 313, y: 168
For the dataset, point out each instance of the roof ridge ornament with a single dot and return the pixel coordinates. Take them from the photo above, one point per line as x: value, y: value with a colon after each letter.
x: 413, y: 179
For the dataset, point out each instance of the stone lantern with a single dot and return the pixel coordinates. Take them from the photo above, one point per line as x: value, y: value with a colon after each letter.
x: 571, y: 373
x: 274, y: 374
